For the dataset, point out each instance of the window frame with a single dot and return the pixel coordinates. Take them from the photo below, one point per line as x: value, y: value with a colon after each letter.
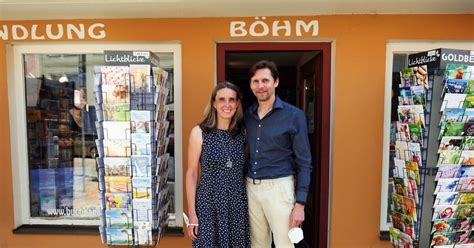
x: 18, y: 127
x: 402, y: 47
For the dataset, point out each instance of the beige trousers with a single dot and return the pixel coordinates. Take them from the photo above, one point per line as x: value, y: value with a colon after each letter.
x: 270, y: 204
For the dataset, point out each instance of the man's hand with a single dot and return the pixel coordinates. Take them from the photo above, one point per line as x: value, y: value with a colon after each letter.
x: 297, y: 215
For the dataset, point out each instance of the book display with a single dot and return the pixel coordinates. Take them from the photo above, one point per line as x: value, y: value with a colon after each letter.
x: 132, y: 144
x: 432, y: 195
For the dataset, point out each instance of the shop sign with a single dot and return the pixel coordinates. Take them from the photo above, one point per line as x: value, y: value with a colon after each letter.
x: 440, y: 57
x: 260, y: 27
x: 69, y: 31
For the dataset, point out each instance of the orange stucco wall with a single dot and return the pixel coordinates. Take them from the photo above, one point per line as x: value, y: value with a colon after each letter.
x: 358, y: 111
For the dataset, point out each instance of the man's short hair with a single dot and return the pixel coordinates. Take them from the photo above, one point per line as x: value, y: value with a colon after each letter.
x: 264, y: 64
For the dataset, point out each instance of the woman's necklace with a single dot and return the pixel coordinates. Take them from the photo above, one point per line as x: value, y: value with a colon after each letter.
x: 229, y: 163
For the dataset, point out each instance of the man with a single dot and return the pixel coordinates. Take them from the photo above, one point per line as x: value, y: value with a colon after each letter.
x: 279, y: 150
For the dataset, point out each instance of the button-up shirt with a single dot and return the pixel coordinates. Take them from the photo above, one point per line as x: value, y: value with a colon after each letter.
x: 279, y: 145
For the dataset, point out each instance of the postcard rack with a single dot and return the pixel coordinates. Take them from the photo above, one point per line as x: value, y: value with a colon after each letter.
x: 132, y: 141
x: 445, y: 192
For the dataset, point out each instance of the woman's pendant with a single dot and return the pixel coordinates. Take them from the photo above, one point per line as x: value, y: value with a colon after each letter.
x: 228, y: 163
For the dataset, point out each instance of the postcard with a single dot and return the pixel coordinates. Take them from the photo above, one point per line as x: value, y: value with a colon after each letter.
x: 117, y: 147
x: 407, y: 77
x: 470, y: 86
x: 142, y: 209
x: 113, y: 75
x: 453, y: 129
x: 141, y: 187
x: 118, y: 184
x: 450, y: 143
x: 403, y: 131
x: 468, y: 143
x: 447, y: 185
x: 405, y: 97
x: 160, y: 76
x: 400, y: 239
x: 452, y: 225
x: 119, y: 218
x: 403, y: 222
x: 162, y: 163
x: 455, y: 86
x: 140, y: 121
x: 464, y: 211
x: 453, y: 115
x: 467, y: 157
x: 117, y: 236
x: 455, y: 71
x: 397, y: 203
x: 116, y: 130
x: 468, y: 129
x: 445, y: 198
x: 140, y: 78
x: 416, y: 133
x: 449, y: 157
x: 444, y: 212
x: 116, y: 93
x: 418, y: 95
x: 449, y: 171
x: 464, y: 198
x: 465, y: 171
x: 421, y: 75
x: 400, y: 168
x: 116, y: 112
x: 141, y: 165
x: 465, y: 184
x: 414, y: 153
x: 117, y: 166
x: 141, y: 144
x: 400, y: 186
x: 452, y: 100
x: 442, y: 239
x: 118, y: 200
x: 412, y: 171
x: 411, y: 114
x: 469, y: 101
x: 143, y: 233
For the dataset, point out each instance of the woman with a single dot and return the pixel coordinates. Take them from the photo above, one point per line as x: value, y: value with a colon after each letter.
x: 217, y: 203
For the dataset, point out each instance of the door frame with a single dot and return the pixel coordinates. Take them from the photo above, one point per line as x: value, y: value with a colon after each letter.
x: 323, y: 107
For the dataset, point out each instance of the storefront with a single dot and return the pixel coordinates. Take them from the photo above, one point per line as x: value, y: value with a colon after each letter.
x: 333, y: 67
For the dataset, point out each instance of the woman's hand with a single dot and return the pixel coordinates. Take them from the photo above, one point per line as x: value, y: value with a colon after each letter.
x: 193, y: 227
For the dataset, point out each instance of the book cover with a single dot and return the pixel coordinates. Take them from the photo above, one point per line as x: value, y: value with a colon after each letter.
x: 117, y: 93
x: 140, y: 78
x: 113, y: 75
x: 418, y: 95
x: 117, y: 166
x: 118, y: 184
x: 141, y: 165
x: 116, y: 112
x: 118, y: 200
x: 117, y: 147
x: 118, y: 218
x: 117, y: 236
x: 457, y: 86
x: 140, y: 121
x: 450, y: 143
x: 116, y: 130
x: 141, y: 187
x: 452, y: 100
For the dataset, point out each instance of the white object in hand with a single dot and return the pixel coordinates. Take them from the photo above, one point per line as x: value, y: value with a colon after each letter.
x: 295, y: 234
x: 186, y: 220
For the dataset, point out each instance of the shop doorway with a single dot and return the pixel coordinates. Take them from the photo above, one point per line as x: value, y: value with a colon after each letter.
x: 305, y: 70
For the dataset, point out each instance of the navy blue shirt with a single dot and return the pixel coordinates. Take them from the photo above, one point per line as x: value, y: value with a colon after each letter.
x: 279, y: 145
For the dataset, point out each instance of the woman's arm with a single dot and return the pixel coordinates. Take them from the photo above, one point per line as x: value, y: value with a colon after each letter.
x: 194, y: 153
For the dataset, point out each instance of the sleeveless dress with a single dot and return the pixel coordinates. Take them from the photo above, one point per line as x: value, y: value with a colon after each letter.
x: 221, y: 197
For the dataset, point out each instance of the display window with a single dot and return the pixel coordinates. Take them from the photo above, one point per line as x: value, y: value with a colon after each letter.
x: 53, y: 130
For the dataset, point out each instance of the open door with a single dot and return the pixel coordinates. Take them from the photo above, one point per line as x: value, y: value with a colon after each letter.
x: 305, y: 82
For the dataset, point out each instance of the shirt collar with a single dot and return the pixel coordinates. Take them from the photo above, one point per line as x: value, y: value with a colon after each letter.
x: 278, y: 104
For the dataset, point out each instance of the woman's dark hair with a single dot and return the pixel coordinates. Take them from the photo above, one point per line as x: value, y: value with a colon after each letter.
x: 264, y: 64
x: 209, y: 121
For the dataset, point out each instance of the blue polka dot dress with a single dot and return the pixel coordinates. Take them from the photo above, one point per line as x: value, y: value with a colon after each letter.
x: 221, y: 198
